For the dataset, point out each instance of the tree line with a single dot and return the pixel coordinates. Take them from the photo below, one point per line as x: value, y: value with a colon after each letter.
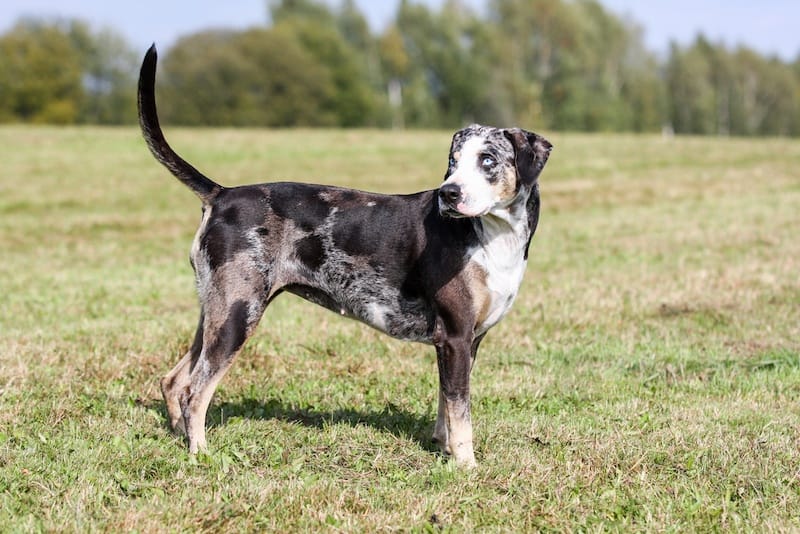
x: 546, y: 64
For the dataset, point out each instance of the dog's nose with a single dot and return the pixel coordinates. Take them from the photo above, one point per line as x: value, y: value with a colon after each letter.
x: 450, y: 193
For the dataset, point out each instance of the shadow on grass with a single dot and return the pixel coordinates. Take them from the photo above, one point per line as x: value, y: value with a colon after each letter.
x: 391, y: 418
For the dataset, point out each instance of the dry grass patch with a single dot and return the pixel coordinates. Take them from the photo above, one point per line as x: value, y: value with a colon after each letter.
x: 648, y: 378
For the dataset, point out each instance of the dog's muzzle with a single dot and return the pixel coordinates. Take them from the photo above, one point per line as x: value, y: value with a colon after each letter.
x: 449, y: 197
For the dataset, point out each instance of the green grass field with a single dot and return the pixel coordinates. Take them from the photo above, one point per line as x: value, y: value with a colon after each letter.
x: 647, y: 379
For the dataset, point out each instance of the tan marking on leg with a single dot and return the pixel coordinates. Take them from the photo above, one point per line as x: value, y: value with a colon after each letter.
x: 453, y: 431
x: 171, y: 385
x: 202, y: 383
x: 195, y: 413
x: 459, y: 430
x: 440, y: 429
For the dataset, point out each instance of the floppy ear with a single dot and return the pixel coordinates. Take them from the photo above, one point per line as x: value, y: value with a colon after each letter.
x: 530, y: 153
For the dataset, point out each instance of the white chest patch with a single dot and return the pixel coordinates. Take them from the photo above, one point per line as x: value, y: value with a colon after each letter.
x: 502, y: 258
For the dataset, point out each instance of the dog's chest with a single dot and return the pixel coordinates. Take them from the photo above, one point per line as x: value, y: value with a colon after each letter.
x: 502, y: 259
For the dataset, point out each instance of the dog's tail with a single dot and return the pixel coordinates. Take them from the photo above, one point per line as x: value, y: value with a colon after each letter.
x: 203, y: 187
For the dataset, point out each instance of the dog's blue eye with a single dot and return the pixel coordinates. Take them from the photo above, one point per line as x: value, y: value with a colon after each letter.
x: 451, y: 162
x: 487, y: 161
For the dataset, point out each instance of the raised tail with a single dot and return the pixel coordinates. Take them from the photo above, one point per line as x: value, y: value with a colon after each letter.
x: 203, y: 187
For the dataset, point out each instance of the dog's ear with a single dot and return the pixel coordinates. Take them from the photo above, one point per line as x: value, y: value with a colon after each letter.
x: 530, y: 153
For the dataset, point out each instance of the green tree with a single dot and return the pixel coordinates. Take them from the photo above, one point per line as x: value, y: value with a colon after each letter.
x: 445, y: 84
x: 353, y: 26
x: 796, y: 92
x: 768, y: 92
x: 560, y: 64
x: 109, y: 66
x: 356, y: 32
x: 691, y: 93
x: 60, y: 71
x: 715, y: 91
x: 395, y: 66
x: 255, y: 78
x: 282, y: 10
x: 41, y: 74
x: 341, y: 43
x: 353, y: 99
x: 573, y: 65
x: 646, y: 98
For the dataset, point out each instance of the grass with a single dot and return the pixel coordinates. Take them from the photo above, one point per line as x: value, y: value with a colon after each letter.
x: 648, y: 378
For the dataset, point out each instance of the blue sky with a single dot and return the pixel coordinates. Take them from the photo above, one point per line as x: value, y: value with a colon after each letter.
x: 769, y: 26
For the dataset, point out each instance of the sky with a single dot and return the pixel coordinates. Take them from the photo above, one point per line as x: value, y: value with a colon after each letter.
x: 768, y: 26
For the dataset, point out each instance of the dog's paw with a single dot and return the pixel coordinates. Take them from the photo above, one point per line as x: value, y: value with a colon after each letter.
x: 178, y: 426
x: 463, y: 455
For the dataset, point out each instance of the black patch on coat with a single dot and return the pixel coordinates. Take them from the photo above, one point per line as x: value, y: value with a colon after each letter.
x: 235, y: 214
x: 299, y: 203
x: 311, y: 252
x: 230, y: 215
x: 354, y: 231
x: 349, y: 195
x: 443, y: 258
x: 231, y: 335
x: 221, y: 242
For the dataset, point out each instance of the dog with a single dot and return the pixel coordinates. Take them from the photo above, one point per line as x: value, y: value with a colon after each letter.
x: 439, y: 267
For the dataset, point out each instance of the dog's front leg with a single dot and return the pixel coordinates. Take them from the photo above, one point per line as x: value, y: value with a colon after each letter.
x: 440, y: 433
x: 453, y: 429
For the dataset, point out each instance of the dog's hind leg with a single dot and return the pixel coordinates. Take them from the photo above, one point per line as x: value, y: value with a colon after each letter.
x: 177, y: 380
x: 226, y: 328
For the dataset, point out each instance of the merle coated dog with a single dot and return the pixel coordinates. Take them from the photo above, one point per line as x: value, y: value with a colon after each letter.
x: 439, y: 267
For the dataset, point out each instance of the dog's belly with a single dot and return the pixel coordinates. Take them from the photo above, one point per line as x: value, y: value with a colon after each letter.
x: 387, y: 311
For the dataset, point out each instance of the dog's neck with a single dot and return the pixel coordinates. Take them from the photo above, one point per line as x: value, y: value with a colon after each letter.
x: 511, y: 223
x: 503, y: 233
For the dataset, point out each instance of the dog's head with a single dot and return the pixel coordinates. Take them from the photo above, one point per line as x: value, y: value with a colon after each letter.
x: 489, y: 168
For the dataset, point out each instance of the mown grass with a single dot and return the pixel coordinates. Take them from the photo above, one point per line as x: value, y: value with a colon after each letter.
x: 648, y: 378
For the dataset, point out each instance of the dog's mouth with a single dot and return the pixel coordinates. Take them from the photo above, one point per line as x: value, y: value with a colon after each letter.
x: 447, y: 210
